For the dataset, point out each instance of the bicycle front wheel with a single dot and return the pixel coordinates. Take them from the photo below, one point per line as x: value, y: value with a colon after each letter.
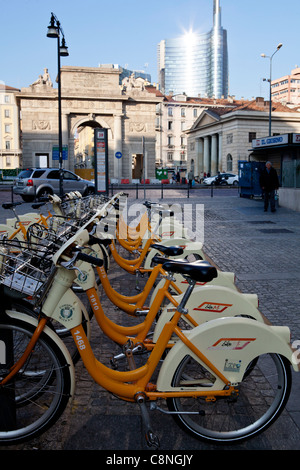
x: 33, y: 400
x: 263, y: 393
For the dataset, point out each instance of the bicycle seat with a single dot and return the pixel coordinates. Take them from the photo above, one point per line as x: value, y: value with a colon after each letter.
x: 199, y: 270
x: 37, y: 205
x: 168, y: 250
x: 9, y: 205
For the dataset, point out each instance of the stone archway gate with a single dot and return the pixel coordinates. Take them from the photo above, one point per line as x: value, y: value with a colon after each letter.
x: 91, y: 95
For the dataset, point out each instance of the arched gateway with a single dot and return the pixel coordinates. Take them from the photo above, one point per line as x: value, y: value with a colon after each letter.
x: 92, y: 97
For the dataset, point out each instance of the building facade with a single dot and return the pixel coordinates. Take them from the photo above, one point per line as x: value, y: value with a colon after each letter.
x: 195, y: 64
x: 287, y: 89
x: 91, y: 97
x: 10, y: 151
x: 221, y: 137
x: 175, y: 115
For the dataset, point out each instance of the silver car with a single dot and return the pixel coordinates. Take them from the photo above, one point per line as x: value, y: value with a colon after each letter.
x: 39, y: 182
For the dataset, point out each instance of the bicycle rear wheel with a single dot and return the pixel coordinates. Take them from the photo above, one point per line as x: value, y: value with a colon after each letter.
x: 263, y: 393
x: 37, y: 395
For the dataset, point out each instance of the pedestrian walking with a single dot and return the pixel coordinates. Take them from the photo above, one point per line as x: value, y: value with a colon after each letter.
x: 269, y: 184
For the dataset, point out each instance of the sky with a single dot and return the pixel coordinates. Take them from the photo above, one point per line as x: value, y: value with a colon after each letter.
x: 127, y: 33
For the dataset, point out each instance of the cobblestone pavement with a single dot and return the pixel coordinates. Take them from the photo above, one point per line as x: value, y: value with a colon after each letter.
x: 263, y: 251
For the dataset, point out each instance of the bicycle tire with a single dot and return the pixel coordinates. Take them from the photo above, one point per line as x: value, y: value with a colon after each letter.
x: 38, y: 394
x: 261, y: 400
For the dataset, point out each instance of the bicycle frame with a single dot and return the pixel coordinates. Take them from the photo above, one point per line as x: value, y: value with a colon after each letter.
x: 126, y: 385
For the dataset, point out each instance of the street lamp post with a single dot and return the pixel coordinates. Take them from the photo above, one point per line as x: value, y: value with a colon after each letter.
x: 270, y: 80
x: 54, y: 31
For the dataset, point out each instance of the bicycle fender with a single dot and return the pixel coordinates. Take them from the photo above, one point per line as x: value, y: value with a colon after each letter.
x: 224, y: 279
x: 33, y: 321
x: 209, y: 303
x: 230, y: 344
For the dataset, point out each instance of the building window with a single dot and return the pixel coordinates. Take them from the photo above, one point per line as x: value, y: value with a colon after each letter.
x: 192, y: 146
x: 6, y: 113
x: 182, y: 112
x: 7, y: 145
x: 7, y: 128
x: 252, y: 136
x: 170, y: 140
x: 6, y: 99
x: 170, y: 157
x: 170, y: 125
x: 170, y: 111
x: 229, y: 162
x: 195, y: 111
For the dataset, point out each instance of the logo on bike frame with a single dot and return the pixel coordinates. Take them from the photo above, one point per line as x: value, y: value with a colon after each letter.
x: 66, y: 312
x: 212, y: 307
x: 232, y: 344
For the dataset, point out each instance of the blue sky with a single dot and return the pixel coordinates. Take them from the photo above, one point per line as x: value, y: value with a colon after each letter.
x: 127, y: 32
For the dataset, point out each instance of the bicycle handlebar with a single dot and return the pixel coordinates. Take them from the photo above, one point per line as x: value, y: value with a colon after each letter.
x: 98, y: 241
x: 89, y: 259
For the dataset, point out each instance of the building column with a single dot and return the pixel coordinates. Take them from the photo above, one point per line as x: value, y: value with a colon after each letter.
x: 118, y: 164
x: 220, y: 165
x: 214, y: 154
x: 206, y: 156
x: 199, y: 158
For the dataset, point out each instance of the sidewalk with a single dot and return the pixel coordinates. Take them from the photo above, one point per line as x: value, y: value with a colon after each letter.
x: 263, y: 250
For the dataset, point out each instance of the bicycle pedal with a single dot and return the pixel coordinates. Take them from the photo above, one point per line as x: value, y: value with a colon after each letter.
x: 152, y: 440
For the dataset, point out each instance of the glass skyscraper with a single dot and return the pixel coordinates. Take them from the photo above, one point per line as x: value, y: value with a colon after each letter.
x: 196, y: 64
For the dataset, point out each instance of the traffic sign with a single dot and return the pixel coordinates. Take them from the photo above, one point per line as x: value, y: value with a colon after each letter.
x: 118, y: 154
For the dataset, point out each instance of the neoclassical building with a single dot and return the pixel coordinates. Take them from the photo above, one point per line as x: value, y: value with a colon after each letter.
x: 221, y: 136
x: 10, y: 149
x: 97, y: 98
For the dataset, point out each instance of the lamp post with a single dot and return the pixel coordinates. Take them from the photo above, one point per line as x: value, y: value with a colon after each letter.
x: 270, y: 80
x: 55, y: 31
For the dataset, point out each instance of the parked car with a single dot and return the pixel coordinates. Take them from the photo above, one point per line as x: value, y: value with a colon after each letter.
x: 222, y: 179
x: 44, y: 181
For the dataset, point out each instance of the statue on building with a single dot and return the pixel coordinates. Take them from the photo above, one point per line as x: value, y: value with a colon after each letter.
x: 43, y: 79
x: 131, y: 84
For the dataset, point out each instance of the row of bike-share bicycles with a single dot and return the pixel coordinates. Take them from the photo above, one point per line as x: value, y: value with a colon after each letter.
x: 209, y: 358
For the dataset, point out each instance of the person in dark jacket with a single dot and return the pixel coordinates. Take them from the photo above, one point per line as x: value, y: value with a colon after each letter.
x: 269, y: 183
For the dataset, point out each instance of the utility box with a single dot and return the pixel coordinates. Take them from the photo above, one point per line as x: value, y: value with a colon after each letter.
x: 249, y: 173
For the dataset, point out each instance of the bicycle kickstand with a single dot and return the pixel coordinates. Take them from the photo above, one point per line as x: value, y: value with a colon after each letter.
x: 152, y: 439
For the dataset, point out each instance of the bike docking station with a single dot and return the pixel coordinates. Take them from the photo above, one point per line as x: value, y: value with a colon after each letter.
x: 201, y: 345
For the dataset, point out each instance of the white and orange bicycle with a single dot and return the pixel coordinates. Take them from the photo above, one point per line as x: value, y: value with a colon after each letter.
x: 224, y: 381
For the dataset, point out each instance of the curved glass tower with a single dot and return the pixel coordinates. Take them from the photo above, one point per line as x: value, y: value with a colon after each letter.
x: 196, y: 64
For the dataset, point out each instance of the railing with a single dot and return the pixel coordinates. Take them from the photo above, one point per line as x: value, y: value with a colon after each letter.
x: 169, y: 191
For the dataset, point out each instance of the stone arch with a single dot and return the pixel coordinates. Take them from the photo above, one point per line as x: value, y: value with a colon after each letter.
x: 96, y: 121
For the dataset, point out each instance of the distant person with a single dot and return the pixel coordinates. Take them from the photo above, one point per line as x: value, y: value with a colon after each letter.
x: 178, y: 177
x: 190, y: 178
x: 269, y: 183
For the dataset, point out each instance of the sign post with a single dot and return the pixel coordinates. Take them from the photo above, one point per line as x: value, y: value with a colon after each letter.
x: 118, y: 156
x: 101, y: 160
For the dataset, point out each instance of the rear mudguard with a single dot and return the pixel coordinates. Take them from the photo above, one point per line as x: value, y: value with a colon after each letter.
x: 190, y: 248
x: 224, y: 279
x: 230, y: 344
x: 210, y: 302
x: 33, y: 321
x: 167, y: 230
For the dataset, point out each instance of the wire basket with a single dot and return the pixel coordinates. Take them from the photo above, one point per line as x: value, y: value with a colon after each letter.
x: 23, y: 272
